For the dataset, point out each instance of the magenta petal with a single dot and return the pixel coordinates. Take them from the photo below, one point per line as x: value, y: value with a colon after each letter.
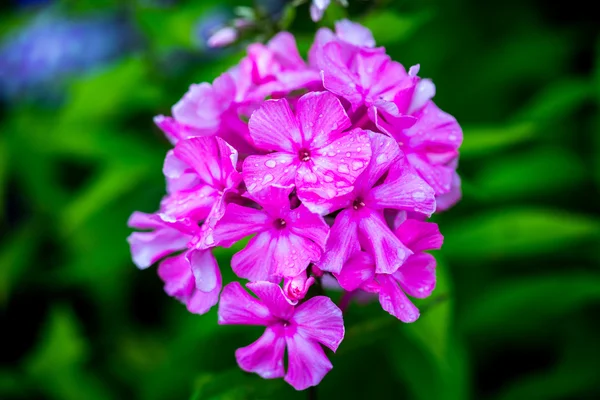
x: 307, y: 362
x: 309, y: 225
x: 335, y: 168
x: 239, y: 222
x: 273, y: 297
x: 199, y: 108
x: 176, y: 273
x: 292, y: 254
x: 337, y: 78
x: 273, y: 126
x: 385, y: 153
x: 420, y: 235
x: 439, y: 177
x: 417, y: 275
x: 445, y: 201
x: 173, y: 130
x: 320, y: 319
x: 342, y: 242
x: 387, y: 250
x: 275, y: 199
x: 394, y: 301
x: 195, y: 203
x: 205, y: 269
x: 424, y: 92
x: 149, y: 247
x: 265, y: 356
x: 266, y: 170
x: 322, y: 118
x: 403, y: 189
x: 256, y: 261
x: 178, y: 174
x: 284, y: 46
x: 201, y: 302
x: 434, y: 131
x: 359, y: 269
x: 211, y: 157
x: 237, y: 307
x: 140, y: 220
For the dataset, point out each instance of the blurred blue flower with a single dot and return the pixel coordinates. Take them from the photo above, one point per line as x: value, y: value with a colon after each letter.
x: 208, y: 24
x: 37, y: 59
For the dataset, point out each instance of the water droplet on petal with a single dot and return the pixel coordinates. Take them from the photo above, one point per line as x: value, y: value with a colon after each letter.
x: 356, y: 165
x: 271, y: 163
x: 418, y: 196
x: 381, y: 159
x: 343, y: 168
x: 268, y: 178
x: 348, y: 154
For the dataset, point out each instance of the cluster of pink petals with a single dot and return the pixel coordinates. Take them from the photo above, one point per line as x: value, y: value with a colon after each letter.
x: 331, y: 166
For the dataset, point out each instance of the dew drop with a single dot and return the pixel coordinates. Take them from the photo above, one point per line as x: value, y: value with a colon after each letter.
x: 418, y: 196
x: 328, y: 178
x: 381, y: 159
x: 271, y: 163
x: 343, y: 168
x: 348, y: 154
x: 268, y: 178
x: 356, y: 165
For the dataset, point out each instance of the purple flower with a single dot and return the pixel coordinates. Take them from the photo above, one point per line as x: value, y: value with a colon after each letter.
x: 416, y: 277
x: 301, y: 330
x: 286, y: 240
x: 311, y: 148
x: 388, y: 183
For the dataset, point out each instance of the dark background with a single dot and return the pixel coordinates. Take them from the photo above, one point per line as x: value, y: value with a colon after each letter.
x: 515, y: 313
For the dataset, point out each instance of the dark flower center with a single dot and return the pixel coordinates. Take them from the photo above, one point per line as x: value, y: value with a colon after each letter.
x: 358, y: 204
x: 280, y: 223
x: 304, y: 155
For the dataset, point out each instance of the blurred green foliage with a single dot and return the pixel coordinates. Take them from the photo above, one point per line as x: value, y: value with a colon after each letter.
x: 514, y: 315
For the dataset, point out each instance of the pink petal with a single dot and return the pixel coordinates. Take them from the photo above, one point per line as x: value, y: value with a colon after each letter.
x: 174, y: 130
x: 354, y: 33
x: 292, y: 254
x: 435, y: 131
x: 275, y: 199
x: 265, y: 356
x: 176, y: 273
x: 342, y: 242
x: 274, y: 127
x: 195, y: 204
x: 211, y: 157
x: 334, y: 169
x: 322, y: 118
x: 375, y: 237
x: 201, y: 302
x: 308, y: 225
x: 178, y: 174
x: 205, y: 269
x: 385, y: 153
x: 237, y: 307
x: 284, y: 46
x: 149, y: 247
x: 439, y: 177
x: 239, y: 222
x: 417, y: 275
x: 321, y: 320
x: 273, y: 297
x: 424, y: 92
x: 307, y: 363
x: 394, y: 301
x: 199, y: 108
x: 223, y: 37
x: 419, y: 235
x: 256, y: 261
x: 337, y: 78
x: 140, y: 220
x: 274, y: 168
x: 403, y: 189
x: 445, y: 201
x: 359, y: 269
x: 315, y: 54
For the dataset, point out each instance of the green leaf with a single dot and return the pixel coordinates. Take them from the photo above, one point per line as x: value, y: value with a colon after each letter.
x: 16, y: 255
x: 516, y: 232
x: 3, y: 173
x: 485, y: 140
x: 545, y: 171
x: 112, y: 183
x: 390, y: 28
x: 557, y: 100
x: 518, y: 306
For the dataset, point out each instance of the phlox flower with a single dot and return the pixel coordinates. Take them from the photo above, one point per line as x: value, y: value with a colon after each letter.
x: 286, y: 240
x: 311, y: 148
x: 387, y: 183
x: 301, y: 330
x: 416, y: 276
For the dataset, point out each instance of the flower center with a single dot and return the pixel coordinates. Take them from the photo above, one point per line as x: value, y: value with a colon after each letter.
x: 358, y: 204
x: 280, y: 223
x: 304, y: 155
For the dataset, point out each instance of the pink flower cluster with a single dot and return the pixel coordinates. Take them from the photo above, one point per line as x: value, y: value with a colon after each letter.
x: 332, y: 165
